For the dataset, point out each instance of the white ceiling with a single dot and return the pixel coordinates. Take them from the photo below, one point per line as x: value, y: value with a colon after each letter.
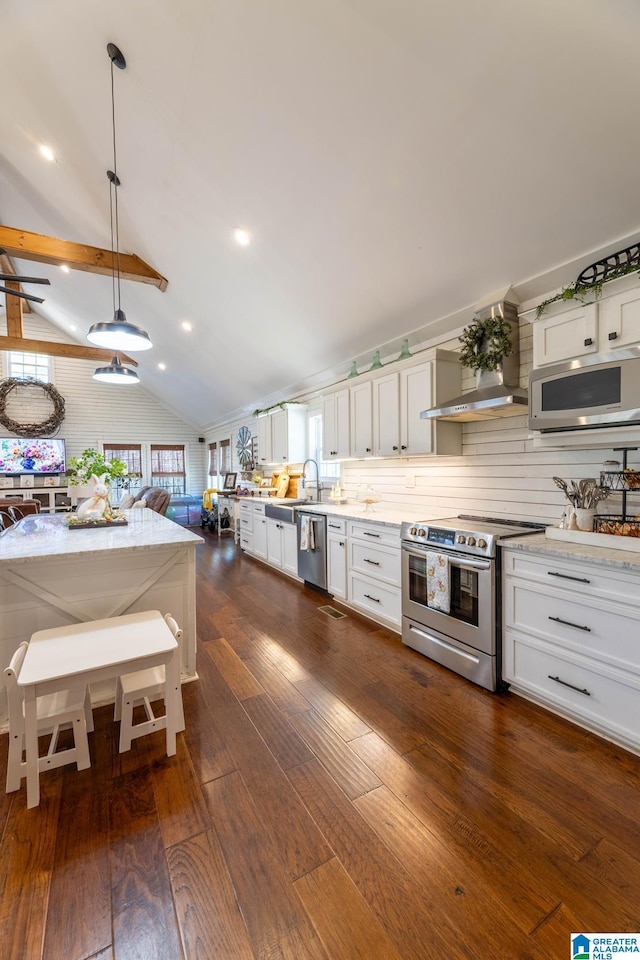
x: 394, y: 160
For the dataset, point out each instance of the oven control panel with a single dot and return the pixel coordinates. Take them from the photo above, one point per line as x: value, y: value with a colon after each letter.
x: 473, y: 542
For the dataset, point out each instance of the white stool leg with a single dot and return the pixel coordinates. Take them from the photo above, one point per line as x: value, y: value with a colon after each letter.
x: 126, y: 722
x: 14, y: 761
x: 88, y: 711
x: 81, y: 743
x: 117, y: 707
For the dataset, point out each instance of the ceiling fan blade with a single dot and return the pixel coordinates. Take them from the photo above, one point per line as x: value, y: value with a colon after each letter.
x: 23, y: 296
x: 12, y: 276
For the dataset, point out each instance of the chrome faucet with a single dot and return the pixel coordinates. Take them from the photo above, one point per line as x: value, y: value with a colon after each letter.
x: 304, y: 478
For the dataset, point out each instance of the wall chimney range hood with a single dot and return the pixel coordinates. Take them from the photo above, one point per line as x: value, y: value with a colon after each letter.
x: 497, y: 392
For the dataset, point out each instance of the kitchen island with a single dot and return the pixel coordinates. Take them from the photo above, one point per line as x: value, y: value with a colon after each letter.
x: 51, y: 575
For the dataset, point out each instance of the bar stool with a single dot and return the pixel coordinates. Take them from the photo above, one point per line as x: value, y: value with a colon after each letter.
x: 139, y: 689
x: 57, y: 711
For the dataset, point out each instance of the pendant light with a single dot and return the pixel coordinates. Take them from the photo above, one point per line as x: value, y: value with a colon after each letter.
x: 116, y: 373
x: 116, y: 334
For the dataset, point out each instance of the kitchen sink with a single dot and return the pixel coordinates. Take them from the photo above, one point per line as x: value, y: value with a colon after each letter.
x: 280, y: 511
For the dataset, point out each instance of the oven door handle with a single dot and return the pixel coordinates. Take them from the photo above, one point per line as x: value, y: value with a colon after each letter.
x: 455, y: 559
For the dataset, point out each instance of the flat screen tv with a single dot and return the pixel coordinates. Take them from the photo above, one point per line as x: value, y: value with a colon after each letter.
x: 19, y: 456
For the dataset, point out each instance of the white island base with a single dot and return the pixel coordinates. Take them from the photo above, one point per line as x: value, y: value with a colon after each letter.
x: 51, y: 576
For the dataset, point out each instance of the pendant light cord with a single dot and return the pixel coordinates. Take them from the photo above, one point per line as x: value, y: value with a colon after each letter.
x: 113, y: 203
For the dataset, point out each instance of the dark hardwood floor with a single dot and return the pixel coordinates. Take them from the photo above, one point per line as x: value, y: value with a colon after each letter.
x: 335, y: 796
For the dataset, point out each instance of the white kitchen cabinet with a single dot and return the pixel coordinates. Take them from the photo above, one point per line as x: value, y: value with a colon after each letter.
x: 386, y: 415
x: 337, y: 557
x: 385, y: 409
x: 274, y: 542
x: 425, y: 383
x: 374, y: 570
x: 282, y: 550
x: 567, y: 333
x: 265, y: 446
x: 361, y: 419
x: 335, y: 425
x: 619, y: 319
x: 52, y: 499
x: 259, y: 532
x: 245, y: 520
x: 290, y: 550
x: 571, y: 640
x: 289, y: 433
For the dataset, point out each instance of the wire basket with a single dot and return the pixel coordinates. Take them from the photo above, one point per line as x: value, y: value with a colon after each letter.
x: 628, y: 479
x: 616, y: 526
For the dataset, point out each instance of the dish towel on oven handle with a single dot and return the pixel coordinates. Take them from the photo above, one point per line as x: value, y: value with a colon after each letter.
x: 438, y: 589
x: 307, y: 539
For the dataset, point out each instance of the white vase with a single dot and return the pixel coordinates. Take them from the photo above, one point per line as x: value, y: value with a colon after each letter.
x: 584, y: 518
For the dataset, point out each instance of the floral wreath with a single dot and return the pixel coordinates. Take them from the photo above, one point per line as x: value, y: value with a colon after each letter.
x: 485, y: 343
x: 50, y: 425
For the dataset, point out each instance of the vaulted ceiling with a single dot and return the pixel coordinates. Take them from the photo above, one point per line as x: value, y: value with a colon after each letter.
x: 394, y: 161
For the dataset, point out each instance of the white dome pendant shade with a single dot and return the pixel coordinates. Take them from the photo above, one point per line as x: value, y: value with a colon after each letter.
x: 116, y: 373
x: 119, y: 334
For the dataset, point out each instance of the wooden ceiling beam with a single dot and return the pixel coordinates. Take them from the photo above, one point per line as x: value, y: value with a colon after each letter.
x: 6, y: 266
x: 77, y: 256
x: 70, y: 350
x: 13, y: 309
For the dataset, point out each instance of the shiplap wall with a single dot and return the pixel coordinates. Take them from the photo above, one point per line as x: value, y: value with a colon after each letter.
x: 97, y: 413
x: 499, y: 474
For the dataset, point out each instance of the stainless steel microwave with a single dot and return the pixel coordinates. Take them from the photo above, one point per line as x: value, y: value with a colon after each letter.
x: 596, y: 391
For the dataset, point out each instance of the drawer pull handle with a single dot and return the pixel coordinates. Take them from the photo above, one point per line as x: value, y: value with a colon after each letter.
x: 613, y: 335
x: 334, y: 526
x: 372, y: 562
x: 565, y: 576
x: 568, y: 623
x: 369, y: 597
x: 367, y: 534
x: 588, y: 342
x: 570, y: 685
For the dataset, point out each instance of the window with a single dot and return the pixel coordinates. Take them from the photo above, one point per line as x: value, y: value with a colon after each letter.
x: 224, y: 450
x: 167, y: 467
x: 213, y: 460
x: 36, y: 365
x: 131, y: 453
x: 329, y: 470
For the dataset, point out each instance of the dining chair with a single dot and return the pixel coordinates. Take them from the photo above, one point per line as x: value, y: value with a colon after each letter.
x: 141, y: 689
x: 57, y: 711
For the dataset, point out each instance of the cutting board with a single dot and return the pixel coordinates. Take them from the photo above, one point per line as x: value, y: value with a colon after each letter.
x: 283, y: 485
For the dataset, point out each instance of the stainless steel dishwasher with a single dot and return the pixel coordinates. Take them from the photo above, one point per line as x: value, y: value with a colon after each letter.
x: 312, y: 563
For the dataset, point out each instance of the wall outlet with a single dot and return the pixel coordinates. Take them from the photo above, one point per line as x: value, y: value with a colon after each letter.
x: 409, y: 480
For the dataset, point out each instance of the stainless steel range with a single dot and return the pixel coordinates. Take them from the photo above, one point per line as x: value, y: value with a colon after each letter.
x: 451, y: 597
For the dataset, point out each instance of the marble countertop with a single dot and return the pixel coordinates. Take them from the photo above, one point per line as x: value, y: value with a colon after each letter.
x: 388, y: 514
x: 46, y: 535
x: 603, y: 556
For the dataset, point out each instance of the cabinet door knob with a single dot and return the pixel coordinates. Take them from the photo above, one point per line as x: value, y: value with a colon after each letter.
x: 394, y: 447
x: 588, y: 342
x: 367, y: 449
x: 613, y: 335
x: 403, y: 447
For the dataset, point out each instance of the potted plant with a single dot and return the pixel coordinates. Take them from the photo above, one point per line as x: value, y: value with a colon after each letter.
x: 89, y: 464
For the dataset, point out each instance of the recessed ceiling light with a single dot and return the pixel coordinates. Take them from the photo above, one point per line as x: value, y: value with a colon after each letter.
x: 47, y: 153
x: 187, y: 326
x: 242, y: 237
x: 162, y: 366
x: 65, y: 268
